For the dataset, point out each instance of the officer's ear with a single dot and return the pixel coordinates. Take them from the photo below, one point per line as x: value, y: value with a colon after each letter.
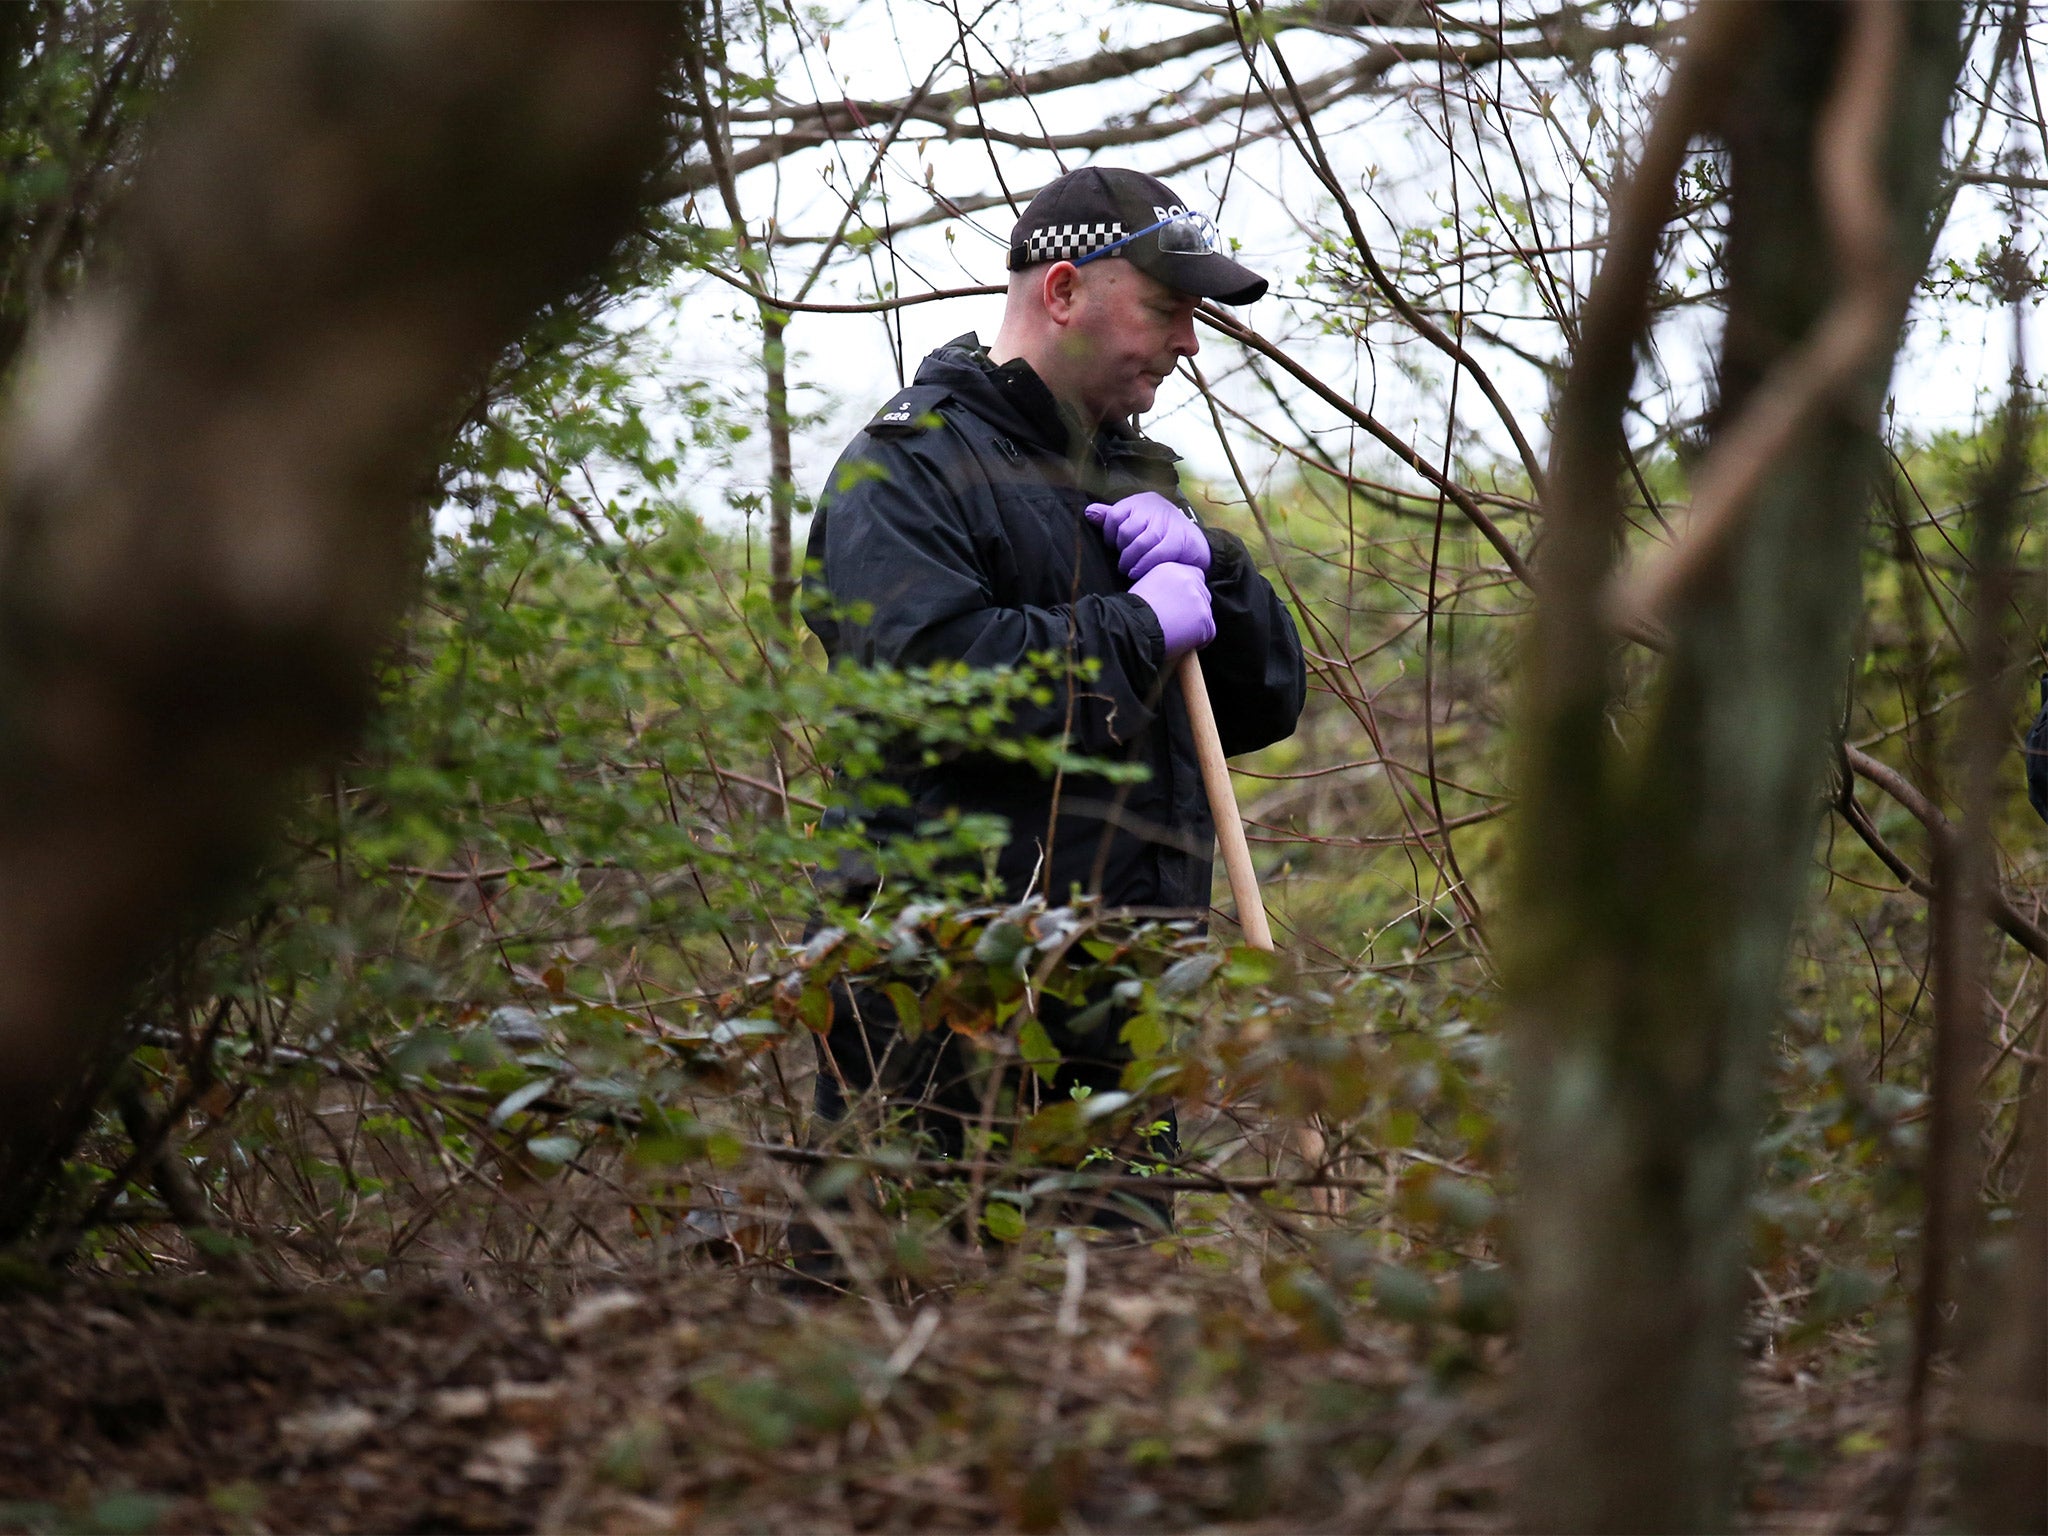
x: 1059, y: 291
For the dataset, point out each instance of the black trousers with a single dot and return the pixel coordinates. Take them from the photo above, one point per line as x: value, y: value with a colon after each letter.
x: 937, y: 1084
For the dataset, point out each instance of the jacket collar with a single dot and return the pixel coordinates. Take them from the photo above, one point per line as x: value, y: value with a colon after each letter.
x: 1013, y: 399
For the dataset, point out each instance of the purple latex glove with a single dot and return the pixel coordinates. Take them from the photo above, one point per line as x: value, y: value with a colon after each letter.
x: 1180, y: 596
x: 1147, y: 530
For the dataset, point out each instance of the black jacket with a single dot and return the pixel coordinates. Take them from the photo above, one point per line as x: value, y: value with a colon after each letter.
x: 2037, y: 757
x: 957, y: 516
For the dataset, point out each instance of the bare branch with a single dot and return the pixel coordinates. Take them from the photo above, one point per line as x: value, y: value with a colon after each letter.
x: 1808, y: 382
x: 2010, y: 920
x: 1465, y: 501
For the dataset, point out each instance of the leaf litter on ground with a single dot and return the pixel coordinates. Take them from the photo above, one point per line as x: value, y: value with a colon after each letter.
x: 1131, y: 1391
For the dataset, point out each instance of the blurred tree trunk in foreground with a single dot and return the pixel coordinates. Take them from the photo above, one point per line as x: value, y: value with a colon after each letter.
x: 213, y: 468
x: 1660, y: 875
x: 2002, y: 1466
x: 2002, y: 1427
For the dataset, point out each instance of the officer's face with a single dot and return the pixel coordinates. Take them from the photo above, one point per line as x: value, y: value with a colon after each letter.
x: 1127, y: 331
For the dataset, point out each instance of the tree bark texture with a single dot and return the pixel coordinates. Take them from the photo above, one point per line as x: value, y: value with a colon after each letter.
x: 2002, y: 1461
x: 210, y: 503
x: 1658, y: 876
x: 781, y: 473
x: 1963, y: 867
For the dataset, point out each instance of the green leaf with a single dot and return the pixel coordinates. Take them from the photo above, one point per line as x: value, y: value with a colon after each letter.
x: 753, y: 1407
x: 1186, y: 976
x: 1100, y: 1106
x: 519, y: 1098
x: 1089, y: 1017
x: 633, y: 1453
x: 1462, y: 1202
x: 1248, y: 967
x: 28, y: 1515
x: 1001, y: 943
x: 834, y: 1180
x: 1146, y: 1034
x: 421, y: 1052
x: 1037, y: 1049
x: 909, y: 1012
x: 219, y: 1244
x: 1484, y: 1301
x: 1402, y: 1294
x: 1055, y: 1126
x: 1839, y: 1293
x: 814, y: 1007
x: 1005, y: 1223
x: 127, y: 1514
x: 1298, y: 1292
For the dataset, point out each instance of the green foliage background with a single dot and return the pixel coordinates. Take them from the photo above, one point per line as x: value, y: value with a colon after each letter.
x: 526, y: 994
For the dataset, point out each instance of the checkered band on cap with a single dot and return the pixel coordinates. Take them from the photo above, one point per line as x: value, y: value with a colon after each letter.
x: 1065, y: 242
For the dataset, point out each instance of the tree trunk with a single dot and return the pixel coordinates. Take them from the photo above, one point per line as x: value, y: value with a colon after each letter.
x: 1658, y: 880
x: 209, y: 510
x: 2002, y: 1466
x: 1964, y: 872
x: 781, y: 474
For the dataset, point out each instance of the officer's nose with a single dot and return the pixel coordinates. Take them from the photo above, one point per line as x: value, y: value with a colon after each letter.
x: 1185, y: 343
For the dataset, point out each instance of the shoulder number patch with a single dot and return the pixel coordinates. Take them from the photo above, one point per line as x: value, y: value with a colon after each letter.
x: 912, y: 410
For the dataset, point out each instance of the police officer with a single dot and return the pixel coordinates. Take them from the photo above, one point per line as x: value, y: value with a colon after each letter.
x: 1005, y: 506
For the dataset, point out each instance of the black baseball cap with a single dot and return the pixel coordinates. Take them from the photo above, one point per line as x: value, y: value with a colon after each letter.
x: 1106, y: 211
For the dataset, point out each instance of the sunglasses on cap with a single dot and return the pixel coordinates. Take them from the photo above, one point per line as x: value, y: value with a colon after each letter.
x: 1184, y: 234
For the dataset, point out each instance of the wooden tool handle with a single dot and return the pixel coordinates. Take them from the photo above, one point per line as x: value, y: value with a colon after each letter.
x: 1237, y: 856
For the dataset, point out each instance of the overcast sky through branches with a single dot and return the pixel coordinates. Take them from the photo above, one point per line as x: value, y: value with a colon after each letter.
x: 1538, y: 124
